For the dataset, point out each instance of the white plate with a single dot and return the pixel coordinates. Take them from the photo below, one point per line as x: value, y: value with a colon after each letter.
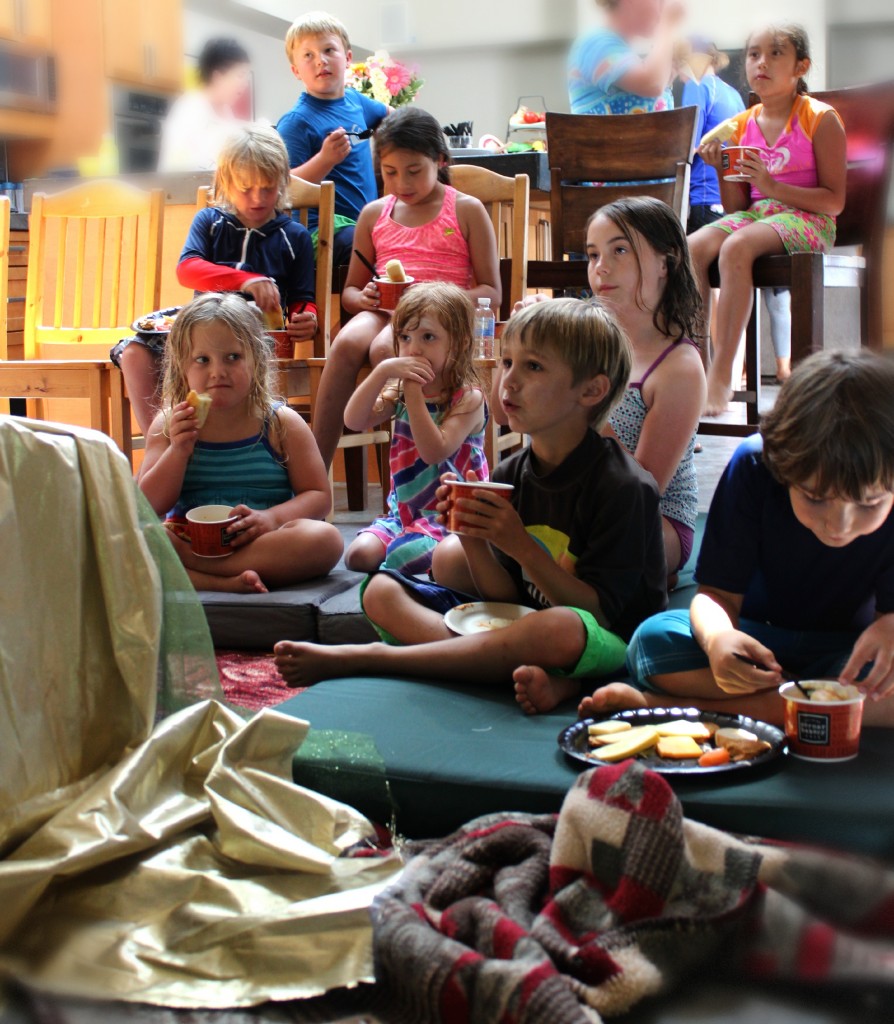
x: 484, y: 616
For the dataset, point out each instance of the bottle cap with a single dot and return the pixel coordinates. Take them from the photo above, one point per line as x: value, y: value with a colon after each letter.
x: 484, y: 302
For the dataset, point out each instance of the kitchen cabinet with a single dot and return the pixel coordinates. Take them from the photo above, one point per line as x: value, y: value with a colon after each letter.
x: 143, y: 43
x: 27, y: 22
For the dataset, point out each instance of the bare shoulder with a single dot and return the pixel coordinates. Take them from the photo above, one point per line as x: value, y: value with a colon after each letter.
x: 683, y: 372
x: 469, y: 206
x: 472, y: 399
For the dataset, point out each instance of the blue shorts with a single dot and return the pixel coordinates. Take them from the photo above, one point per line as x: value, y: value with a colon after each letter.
x: 664, y: 645
x: 155, y: 343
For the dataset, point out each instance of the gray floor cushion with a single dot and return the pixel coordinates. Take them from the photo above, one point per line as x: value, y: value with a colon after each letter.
x: 340, y: 619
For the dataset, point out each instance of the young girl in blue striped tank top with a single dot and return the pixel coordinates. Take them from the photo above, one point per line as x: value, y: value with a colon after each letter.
x: 252, y: 454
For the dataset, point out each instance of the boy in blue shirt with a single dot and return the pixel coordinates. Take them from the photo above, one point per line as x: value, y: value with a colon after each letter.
x: 323, y: 131
x: 580, y: 540
x: 796, y: 570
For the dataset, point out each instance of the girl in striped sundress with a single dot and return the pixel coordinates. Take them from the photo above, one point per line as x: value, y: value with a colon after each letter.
x: 252, y: 454
x: 439, y: 420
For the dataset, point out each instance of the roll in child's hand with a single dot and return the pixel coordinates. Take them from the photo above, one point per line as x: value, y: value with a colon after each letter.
x: 711, y: 152
x: 252, y: 524
x: 183, y: 428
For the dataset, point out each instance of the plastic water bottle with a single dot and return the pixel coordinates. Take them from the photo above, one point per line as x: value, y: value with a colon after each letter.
x: 485, y: 323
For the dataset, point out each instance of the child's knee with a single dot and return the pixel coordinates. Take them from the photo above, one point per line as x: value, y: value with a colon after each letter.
x: 560, y: 636
x: 379, y: 595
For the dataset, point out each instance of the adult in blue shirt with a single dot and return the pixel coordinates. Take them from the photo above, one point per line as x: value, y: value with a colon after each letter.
x: 607, y: 76
x: 324, y: 132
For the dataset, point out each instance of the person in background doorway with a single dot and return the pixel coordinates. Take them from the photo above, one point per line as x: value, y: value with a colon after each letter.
x: 199, y: 122
x: 607, y: 76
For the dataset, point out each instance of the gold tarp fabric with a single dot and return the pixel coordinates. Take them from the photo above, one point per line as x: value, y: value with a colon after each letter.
x: 177, y: 865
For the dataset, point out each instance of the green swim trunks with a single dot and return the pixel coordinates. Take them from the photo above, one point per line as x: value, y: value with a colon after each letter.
x: 604, y: 651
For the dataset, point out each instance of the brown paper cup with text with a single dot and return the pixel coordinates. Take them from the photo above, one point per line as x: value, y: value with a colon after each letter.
x: 819, y: 730
x: 283, y: 346
x: 390, y: 292
x: 731, y: 162
x: 464, y: 489
x: 209, y: 527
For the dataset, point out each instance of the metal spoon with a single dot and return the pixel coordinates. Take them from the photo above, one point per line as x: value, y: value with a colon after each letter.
x: 369, y: 266
x: 765, y: 668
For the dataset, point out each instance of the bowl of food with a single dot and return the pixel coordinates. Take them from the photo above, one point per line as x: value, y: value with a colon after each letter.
x: 731, y: 162
x: 209, y: 527
x: 822, y: 719
x: 465, y: 489
x: 392, y: 284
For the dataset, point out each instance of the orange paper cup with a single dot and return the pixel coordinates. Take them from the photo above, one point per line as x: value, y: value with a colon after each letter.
x: 391, y: 291
x: 821, y: 730
x: 731, y: 160
x: 464, y: 489
x: 208, y: 526
x: 283, y: 346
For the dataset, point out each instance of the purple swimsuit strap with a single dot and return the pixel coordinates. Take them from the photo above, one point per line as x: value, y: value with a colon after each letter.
x: 670, y: 348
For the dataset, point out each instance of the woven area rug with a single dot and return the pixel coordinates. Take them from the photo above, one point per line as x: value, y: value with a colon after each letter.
x: 250, y: 680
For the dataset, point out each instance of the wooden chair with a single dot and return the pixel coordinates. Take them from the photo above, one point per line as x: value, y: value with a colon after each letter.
x: 868, y: 116
x: 628, y: 154
x: 507, y: 200
x: 497, y: 192
x: 94, y: 265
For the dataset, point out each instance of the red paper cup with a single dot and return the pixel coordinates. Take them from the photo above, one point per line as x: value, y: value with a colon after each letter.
x: 391, y: 291
x: 208, y: 526
x: 283, y: 346
x: 464, y: 489
x: 731, y: 161
x: 821, y: 730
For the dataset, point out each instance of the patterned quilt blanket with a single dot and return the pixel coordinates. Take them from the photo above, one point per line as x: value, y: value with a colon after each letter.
x: 524, y: 919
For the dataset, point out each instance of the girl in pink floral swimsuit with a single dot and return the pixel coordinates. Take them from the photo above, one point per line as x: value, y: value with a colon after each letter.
x: 790, y: 200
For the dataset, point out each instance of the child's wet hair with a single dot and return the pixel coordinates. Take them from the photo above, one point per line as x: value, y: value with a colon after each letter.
x: 258, y: 151
x: 679, y: 310
x: 584, y: 336
x: 315, y: 23
x: 451, y: 306
x: 833, y: 426
x: 415, y: 130
x: 794, y: 34
x: 244, y: 323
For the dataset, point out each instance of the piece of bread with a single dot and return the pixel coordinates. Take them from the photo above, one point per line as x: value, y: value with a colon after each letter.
x: 202, y: 406
x: 683, y: 727
x: 722, y: 133
x: 613, y: 725
x: 394, y: 270
x: 678, y: 748
x: 741, y: 743
x: 632, y: 743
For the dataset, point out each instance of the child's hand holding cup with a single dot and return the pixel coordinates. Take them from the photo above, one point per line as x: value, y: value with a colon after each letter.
x: 453, y: 490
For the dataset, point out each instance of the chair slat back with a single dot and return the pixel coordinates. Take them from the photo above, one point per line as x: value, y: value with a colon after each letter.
x: 868, y: 116
x: 507, y: 201
x: 305, y: 196
x: 80, y: 290
x: 626, y: 154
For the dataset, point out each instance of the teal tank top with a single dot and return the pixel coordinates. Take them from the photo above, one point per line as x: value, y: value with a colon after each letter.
x: 248, y: 472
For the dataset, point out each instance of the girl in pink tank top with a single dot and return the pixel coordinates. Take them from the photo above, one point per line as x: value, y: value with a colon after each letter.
x: 789, y: 199
x: 437, y: 233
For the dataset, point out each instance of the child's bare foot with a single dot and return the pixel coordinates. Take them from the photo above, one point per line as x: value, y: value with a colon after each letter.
x: 535, y: 691
x: 719, y: 395
x: 612, y: 697
x: 305, y: 664
x: 248, y: 582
